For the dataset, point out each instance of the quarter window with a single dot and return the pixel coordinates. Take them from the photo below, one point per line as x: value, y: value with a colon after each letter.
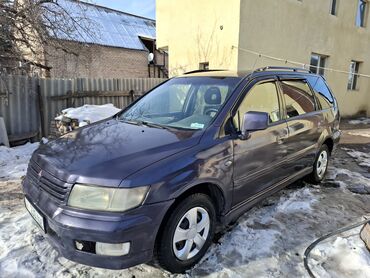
x: 361, y: 13
x: 261, y: 98
x: 298, y: 98
x: 322, y: 92
x: 353, y: 75
x: 318, y: 63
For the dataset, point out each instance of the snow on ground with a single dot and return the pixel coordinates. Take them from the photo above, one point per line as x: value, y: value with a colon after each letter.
x: 347, y: 251
x: 362, y: 133
x: 362, y: 120
x: 14, y: 161
x: 363, y: 159
x: 267, y: 241
x: 88, y: 114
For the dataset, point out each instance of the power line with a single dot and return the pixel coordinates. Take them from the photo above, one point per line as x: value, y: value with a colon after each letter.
x: 303, y: 65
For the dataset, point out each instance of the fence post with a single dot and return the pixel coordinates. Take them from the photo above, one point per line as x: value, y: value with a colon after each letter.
x: 41, y: 110
x: 132, y: 95
x: 3, y: 134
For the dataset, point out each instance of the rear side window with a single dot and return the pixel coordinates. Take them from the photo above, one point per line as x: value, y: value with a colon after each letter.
x: 322, y: 91
x: 298, y: 98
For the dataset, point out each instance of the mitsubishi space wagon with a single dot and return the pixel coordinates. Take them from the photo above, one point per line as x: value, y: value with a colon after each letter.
x: 156, y: 181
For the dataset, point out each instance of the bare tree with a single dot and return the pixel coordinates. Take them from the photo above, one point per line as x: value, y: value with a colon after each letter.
x: 31, y: 28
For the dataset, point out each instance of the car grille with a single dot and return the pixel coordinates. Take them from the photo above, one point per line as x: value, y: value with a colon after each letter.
x: 55, y: 187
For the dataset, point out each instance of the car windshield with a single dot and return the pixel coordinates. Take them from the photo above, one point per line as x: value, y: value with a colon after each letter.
x: 184, y: 102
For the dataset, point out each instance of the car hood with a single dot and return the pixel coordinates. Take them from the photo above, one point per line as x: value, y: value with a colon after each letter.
x: 105, y: 153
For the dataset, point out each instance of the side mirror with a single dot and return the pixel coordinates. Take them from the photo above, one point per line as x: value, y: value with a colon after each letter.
x: 253, y: 121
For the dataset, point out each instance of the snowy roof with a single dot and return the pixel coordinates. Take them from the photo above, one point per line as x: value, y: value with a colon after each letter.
x: 110, y: 27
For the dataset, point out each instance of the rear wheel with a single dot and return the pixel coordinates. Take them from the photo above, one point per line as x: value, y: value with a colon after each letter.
x: 187, y: 234
x: 320, y: 166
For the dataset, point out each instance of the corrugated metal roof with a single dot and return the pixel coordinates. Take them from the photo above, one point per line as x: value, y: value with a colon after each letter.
x: 111, y: 27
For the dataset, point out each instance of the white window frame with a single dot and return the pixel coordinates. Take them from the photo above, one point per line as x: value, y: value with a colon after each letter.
x: 353, y: 78
x: 317, y: 69
x: 364, y: 21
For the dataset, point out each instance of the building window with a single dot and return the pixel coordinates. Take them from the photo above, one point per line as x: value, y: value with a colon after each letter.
x: 361, y: 13
x: 318, y: 63
x: 353, y: 75
x: 204, y: 66
x: 334, y: 7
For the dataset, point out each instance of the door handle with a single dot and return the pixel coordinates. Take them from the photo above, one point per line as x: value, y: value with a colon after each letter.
x: 228, y: 163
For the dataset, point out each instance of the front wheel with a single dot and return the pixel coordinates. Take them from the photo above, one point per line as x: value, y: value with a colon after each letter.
x: 320, y: 166
x: 187, y: 234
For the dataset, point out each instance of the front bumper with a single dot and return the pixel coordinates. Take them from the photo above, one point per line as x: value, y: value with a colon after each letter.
x: 64, y: 226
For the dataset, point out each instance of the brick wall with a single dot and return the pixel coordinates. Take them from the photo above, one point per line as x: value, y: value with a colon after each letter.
x: 92, y: 61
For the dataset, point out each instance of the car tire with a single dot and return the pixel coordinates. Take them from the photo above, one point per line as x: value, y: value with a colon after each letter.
x: 320, y: 167
x: 186, y: 236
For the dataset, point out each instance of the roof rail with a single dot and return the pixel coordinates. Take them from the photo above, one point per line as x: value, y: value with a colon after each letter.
x: 283, y: 68
x: 203, y: 70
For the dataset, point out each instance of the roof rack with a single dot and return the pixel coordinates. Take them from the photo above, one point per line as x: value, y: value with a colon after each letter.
x: 203, y: 70
x: 284, y: 68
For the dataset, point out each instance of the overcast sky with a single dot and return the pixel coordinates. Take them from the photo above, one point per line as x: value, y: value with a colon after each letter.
x: 144, y: 8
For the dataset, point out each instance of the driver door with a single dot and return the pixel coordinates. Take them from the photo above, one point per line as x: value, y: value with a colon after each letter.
x: 260, y: 161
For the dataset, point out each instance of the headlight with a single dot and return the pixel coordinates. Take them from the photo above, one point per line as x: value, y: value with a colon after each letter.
x: 105, y: 198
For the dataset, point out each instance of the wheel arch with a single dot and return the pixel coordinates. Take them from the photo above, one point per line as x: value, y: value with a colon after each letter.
x: 213, y: 190
x: 330, y: 143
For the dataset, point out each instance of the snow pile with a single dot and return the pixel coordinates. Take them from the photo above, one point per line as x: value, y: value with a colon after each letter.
x: 14, y: 161
x: 256, y: 247
x: 361, y: 120
x: 348, y: 252
x: 88, y: 114
x: 298, y: 201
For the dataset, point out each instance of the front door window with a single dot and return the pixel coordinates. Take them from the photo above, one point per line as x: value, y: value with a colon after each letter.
x: 261, y: 98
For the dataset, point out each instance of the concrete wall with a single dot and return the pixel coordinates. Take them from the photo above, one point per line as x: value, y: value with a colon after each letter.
x: 289, y: 29
x: 293, y: 29
x: 94, y: 61
x: 195, y: 31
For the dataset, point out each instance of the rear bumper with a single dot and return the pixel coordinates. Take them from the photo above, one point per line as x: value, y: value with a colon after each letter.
x: 336, y: 138
x: 64, y: 226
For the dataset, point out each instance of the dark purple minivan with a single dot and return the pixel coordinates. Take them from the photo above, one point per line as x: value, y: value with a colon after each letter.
x: 157, y: 180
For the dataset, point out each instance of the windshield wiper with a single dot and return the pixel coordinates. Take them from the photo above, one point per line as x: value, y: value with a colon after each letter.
x: 130, y: 121
x: 140, y: 122
x: 149, y: 124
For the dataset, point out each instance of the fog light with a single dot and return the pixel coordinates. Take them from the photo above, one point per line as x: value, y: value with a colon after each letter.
x: 79, y: 245
x: 112, y: 249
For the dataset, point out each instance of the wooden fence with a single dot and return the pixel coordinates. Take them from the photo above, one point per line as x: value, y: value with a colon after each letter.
x: 28, y: 104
